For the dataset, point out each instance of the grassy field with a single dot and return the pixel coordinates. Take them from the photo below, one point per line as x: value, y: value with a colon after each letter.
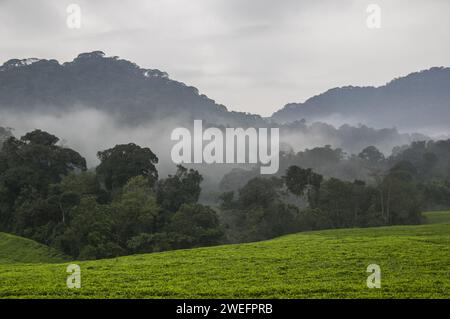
x: 14, y: 249
x: 414, y: 261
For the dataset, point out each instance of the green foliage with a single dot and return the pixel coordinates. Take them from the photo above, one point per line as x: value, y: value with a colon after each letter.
x: 145, y: 242
x: 437, y: 194
x: 430, y: 160
x: 27, y: 168
x: 259, y: 211
x: 396, y: 200
x: 135, y: 211
x: 89, y: 234
x: 195, y: 225
x: 259, y: 192
x: 120, y: 163
x: 83, y: 183
x: 372, y: 155
x: 181, y: 188
x: 298, y: 181
x: 37, y: 151
x: 15, y: 249
x: 324, y: 161
x: 347, y: 204
x: 322, y: 264
x: 47, y: 195
x: 402, y: 199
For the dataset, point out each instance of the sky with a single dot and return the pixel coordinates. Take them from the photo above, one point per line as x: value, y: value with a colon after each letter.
x: 250, y: 55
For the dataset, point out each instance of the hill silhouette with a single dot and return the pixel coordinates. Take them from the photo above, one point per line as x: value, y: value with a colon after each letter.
x: 417, y: 101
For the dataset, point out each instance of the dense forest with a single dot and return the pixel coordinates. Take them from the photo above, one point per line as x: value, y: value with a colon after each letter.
x: 123, y: 206
x: 416, y: 101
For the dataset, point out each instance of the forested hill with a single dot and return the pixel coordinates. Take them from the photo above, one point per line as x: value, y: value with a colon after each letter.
x: 48, y: 95
x: 418, y: 100
x: 93, y: 80
x: 137, y: 95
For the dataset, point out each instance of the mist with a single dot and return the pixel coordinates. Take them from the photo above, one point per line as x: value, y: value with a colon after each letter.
x: 88, y: 131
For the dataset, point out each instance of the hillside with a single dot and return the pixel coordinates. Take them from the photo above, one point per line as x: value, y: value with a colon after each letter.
x: 109, y: 84
x: 15, y: 249
x: 136, y: 95
x: 416, y: 101
x: 116, y: 100
x: 414, y: 262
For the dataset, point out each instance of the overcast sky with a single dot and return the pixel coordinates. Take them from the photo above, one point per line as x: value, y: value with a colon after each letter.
x: 250, y: 55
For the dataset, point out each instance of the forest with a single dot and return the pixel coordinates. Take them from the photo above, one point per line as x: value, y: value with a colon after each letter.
x: 123, y: 207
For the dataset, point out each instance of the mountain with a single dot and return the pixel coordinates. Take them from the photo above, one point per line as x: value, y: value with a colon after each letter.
x: 144, y: 105
x: 136, y: 95
x: 418, y: 101
x: 110, y: 84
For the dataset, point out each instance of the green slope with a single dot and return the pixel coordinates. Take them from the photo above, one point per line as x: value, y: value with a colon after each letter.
x: 15, y: 249
x: 414, y: 263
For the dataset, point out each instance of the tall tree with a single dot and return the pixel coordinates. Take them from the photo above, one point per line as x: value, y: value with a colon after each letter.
x: 181, y: 188
x: 28, y: 166
x: 299, y: 180
x: 120, y: 163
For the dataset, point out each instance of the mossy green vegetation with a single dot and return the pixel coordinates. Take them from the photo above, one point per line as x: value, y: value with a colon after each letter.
x: 15, y: 249
x: 414, y: 261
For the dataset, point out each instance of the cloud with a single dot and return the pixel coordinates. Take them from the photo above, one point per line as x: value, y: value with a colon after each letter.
x: 88, y: 131
x: 251, y: 55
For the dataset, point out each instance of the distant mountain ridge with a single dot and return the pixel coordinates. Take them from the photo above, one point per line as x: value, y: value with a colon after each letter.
x: 138, y: 97
x: 109, y: 84
x: 416, y: 101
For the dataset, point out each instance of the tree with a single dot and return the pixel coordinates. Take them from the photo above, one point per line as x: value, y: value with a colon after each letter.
x: 299, y: 180
x: 195, y: 225
x: 181, y: 188
x: 39, y: 137
x: 90, y: 234
x: 84, y: 183
x: 29, y: 165
x: 5, y: 133
x: 145, y: 242
x: 259, y: 211
x: 120, y: 163
x: 37, y: 151
x: 338, y: 202
x: 403, y: 200
x: 36, y: 217
x: 372, y: 155
x: 260, y: 192
x: 135, y: 211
